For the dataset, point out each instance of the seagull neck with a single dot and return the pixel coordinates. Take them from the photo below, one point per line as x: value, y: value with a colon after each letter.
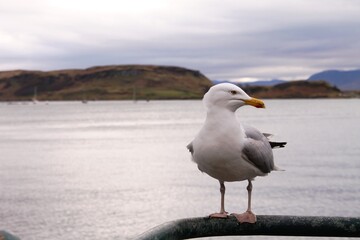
x: 220, y: 113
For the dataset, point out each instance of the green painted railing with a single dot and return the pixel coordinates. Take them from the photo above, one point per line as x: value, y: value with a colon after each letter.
x: 265, y: 225
x: 4, y: 235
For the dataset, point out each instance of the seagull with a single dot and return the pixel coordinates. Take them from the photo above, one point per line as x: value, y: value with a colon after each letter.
x: 228, y: 150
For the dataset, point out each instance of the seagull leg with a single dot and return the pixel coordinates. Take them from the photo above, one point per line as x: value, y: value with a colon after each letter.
x: 247, y: 216
x: 222, y: 213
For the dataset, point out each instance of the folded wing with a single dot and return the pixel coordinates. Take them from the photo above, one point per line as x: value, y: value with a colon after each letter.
x: 257, y: 150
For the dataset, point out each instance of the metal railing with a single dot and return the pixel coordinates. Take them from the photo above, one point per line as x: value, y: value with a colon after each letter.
x: 4, y: 235
x: 265, y: 225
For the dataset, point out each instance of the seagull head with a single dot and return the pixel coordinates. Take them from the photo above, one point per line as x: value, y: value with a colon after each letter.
x: 229, y: 96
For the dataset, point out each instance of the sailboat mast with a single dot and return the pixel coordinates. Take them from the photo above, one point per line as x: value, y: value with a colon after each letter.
x: 134, y: 94
x: 34, y: 99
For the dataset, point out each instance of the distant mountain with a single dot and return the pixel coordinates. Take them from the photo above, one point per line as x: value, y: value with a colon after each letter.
x: 295, y: 89
x: 220, y: 81
x: 344, y: 80
x: 264, y: 82
x: 104, y: 83
x: 254, y: 83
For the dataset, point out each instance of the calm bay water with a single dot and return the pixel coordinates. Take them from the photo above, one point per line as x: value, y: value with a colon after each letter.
x: 112, y: 170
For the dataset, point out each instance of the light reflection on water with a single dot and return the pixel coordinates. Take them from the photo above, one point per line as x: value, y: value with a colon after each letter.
x: 115, y: 169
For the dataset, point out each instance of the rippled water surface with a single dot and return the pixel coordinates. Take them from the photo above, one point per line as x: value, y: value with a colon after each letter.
x: 112, y: 170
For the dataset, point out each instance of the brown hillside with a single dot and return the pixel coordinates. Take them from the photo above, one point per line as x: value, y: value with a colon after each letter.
x: 104, y: 83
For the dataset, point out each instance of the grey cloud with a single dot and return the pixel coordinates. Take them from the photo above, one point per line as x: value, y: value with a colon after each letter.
x: 224, y: 40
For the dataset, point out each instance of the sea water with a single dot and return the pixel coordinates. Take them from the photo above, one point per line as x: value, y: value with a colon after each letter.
x: 114, y: 169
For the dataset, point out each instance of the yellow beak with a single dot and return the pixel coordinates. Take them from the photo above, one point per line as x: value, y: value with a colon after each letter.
x: 255, y: 102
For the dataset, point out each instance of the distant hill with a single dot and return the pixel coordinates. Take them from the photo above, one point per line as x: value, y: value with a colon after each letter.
x: 255, y: 83
x: 295, y: 89
x: 118, y: 82
x: 104, y: 83
x: 265, y: 82
x: 344, y: 80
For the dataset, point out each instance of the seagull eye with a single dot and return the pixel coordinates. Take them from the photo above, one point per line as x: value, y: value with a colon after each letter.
x: 233, y: 92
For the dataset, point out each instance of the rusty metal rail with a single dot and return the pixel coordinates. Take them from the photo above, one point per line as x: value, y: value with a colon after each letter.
x: 266, y: 225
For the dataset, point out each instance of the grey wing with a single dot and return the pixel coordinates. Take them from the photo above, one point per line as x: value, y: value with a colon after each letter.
x: 257, y: 150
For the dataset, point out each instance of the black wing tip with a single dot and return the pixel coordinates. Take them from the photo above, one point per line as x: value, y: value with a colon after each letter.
x: 277, y: 144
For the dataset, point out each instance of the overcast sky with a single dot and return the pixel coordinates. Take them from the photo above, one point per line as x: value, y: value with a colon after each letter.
x: 224, y: 39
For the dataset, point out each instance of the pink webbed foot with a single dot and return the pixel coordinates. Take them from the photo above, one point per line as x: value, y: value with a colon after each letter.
x: 246, y: 217
x: 219, y: 215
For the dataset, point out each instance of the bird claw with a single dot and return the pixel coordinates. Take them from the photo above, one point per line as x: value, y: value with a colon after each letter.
x: 219, y: 215
x: 246, y: 217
